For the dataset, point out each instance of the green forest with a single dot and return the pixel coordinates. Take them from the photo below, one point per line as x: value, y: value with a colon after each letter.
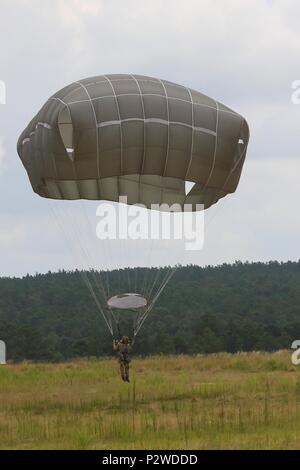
x: 239, y: 307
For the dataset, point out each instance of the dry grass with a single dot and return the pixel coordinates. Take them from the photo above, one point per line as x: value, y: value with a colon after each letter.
x: 219, y: 401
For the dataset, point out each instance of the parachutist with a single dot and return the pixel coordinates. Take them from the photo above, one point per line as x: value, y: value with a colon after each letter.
x: 123, y: 347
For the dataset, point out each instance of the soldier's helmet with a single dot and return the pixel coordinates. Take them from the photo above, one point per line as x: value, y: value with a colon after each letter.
x: 125, y: 339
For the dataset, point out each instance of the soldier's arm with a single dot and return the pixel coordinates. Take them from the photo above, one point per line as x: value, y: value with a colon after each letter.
x: 115, y: 345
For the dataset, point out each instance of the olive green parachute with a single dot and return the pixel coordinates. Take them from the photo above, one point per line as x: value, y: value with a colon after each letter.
x: 134, y: 136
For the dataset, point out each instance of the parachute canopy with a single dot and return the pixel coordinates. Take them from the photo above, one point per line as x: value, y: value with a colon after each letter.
x: 135, y: 136
x: 128, y: 301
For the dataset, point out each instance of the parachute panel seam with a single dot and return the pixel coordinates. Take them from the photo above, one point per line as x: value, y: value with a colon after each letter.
x: 97, y: 136
x: 119, y: 114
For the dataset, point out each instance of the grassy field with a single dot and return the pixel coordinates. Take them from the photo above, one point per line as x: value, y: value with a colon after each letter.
x: 218, y: 401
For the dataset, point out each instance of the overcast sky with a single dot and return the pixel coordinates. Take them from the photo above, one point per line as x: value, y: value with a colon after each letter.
x: 242, y: 53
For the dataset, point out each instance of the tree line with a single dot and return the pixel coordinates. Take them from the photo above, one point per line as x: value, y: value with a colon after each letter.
x: 238, y: 307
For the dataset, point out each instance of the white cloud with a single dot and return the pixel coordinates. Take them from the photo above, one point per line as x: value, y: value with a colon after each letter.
x: 74, y: 12
x: 74, y: 16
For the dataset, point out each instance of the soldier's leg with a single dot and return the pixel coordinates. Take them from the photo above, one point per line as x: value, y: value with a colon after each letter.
x: 122, y: 370
x: 127, y: 371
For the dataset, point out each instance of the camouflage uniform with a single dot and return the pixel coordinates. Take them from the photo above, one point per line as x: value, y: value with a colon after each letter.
x: 123, y: 348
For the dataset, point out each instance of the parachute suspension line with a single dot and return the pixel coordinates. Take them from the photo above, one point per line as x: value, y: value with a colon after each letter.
x: 76, y: 238
x: 105, y: 252
x: 116, y: 319
x: 136, y: 271
x: 71, y: 245
x: 118, y: 327
x: 82, y: 273
x: 163, y: 283
x: 150, y: 307
x: 145, y: 280
x: 151, y: 280
x: 102, y: 288
x: 165, y: 274
x: 146, y: 273
x: 123, y: 253
x: 112, y: 259
x: 123, y: 269
x: 119, y: 279
x: 135, y: 323
x: 217, y: 209
x: 157, y: 273
x: 98, y: 282
x: 111, y: 265
x: 108, y: 323
x: 155, y: 292
x: 128, y: 277
x: 162, y: 286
